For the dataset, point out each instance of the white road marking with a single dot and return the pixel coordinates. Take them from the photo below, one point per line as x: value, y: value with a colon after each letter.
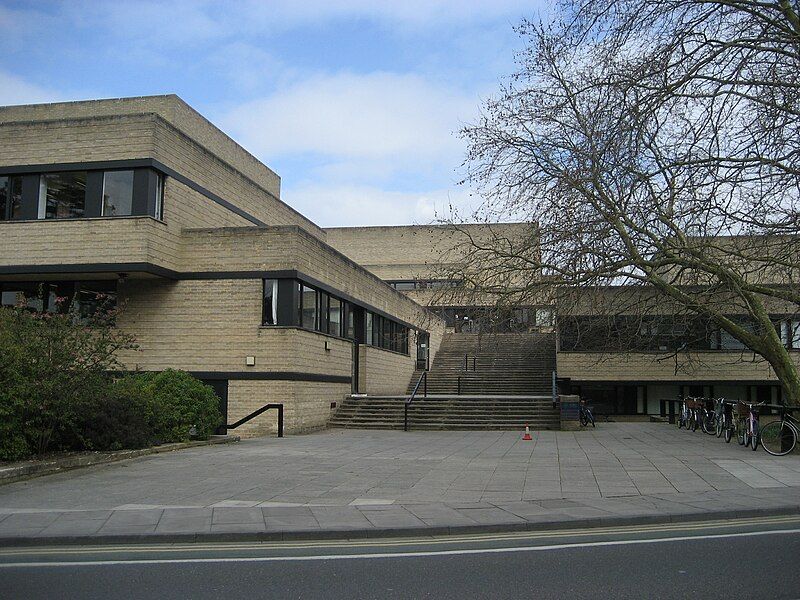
x: 372, y: 556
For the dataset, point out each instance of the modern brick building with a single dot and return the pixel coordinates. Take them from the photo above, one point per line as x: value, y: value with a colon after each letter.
x: 144, y: 200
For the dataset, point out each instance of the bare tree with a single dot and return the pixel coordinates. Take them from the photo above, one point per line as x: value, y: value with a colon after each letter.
x: 656, y: 144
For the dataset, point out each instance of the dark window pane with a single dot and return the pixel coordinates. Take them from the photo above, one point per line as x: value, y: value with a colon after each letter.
x: 93, y: 298
x: 387, y: 333
x: 23, y: 295
x: 270, y: 302
x: 351, y: 322
x: 117, y: 193
x: 335, y: 317
x: 403, y: 286
x: 309, y: 310
x: 3, y: 197
x: 159, y: 203
x: 369, y: 327
x: 15, y: 197
x: 62, y: 195
x: 10, y: 197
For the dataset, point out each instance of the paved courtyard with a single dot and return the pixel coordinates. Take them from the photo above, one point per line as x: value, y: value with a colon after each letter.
x: 347, y: 478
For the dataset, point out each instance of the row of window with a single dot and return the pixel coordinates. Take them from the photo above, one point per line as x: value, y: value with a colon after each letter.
x: 83, y: 298
x: 296, y: 303
x: 621, y: 333
x: 424, y: 284
x: 385, y: 333
x: 78, y: 194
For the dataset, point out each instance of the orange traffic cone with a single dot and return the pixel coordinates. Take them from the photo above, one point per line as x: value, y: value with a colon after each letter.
x: 527, y: 437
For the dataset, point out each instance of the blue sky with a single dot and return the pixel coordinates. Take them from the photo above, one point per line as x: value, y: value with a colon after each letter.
x: 355, y: 104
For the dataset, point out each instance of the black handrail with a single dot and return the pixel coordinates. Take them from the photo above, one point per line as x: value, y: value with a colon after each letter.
x: 466, y: 362
x: 423, y: 379
x: 254, y: 414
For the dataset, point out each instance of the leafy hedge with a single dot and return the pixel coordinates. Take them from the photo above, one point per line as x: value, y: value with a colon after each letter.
x: 56, y: 392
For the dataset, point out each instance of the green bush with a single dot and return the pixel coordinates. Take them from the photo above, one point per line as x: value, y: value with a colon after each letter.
x: 121, y: 416
x: 180, y: 403
x: 56, y: 392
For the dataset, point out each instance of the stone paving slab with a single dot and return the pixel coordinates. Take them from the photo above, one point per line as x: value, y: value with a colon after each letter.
x: 367, y: 483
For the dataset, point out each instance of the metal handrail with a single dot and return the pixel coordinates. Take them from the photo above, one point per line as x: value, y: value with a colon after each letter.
x: 423, y: 379
x: 466, y: 362
x: 255, y: 413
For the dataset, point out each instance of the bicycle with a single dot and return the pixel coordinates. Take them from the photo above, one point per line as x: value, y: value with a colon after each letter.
x: 684, y: 415
x: 779, y: 437
x: 585, y: 417
x: 747, y: 424
x: 725, y: 422
x: 707, y: 418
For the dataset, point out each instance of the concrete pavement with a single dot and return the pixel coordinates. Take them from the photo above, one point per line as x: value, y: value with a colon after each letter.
x: 352, y: 483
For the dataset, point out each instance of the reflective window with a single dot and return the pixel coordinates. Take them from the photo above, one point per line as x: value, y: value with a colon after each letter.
x: 335, y: 317
x: 62, y: 195
x: 308, y: 307
x: 270, y: 316
x: 369, y: 326
x: 10, y: 197
x: 159, y: 204
x: 350, y: 329
x: 117, y: 193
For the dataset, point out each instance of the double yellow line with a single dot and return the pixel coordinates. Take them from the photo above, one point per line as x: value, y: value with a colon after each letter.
x: 700, y: 527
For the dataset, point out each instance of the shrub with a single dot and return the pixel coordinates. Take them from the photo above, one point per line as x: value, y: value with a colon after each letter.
x: 122, y: 416
x: 180, y: 403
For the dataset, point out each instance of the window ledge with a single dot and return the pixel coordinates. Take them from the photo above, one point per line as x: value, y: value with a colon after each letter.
x: 74, y: 219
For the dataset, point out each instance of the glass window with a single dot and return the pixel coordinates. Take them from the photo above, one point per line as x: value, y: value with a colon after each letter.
x: 3, y: 197
x: 62, y: 195
x: 117, y: 193
x: 728, y: 342
x: 335, y: 317
x: 403, y: 286
x: 350, y: 320
x: 10, y: 197
x: 159, y: 204
x: 23, y: 295
x: 93, y: 297
x: 308, y: 308
x: 369, y: 326
x: 544, y: 317
x: 270, y: 308
x: 386, y: 342
x: 322, y: 311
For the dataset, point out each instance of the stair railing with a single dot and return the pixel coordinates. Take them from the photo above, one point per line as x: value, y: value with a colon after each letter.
x: 255, y: 413
x: 466, y: 362
x: 423, y: 380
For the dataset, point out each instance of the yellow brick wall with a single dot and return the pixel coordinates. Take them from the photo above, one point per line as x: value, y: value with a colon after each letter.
x: 307, y: 405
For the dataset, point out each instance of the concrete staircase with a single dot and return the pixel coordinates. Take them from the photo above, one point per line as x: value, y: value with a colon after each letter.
x: 447, y: 412
x: 504, y: 380
x: 509, y: 364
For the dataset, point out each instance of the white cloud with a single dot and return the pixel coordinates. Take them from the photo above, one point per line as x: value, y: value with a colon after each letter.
x: 377, y: 115
x: 15, y: 90
x: 331, y: 206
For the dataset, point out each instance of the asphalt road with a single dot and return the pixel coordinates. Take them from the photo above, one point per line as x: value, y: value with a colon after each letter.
x: 746, y: 558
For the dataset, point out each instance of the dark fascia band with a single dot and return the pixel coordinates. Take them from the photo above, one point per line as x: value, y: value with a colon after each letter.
x: 271, y: 376
x: 152, y: 269
x: 131, y: 164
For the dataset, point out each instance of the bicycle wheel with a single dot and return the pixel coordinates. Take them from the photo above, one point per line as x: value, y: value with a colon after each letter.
x: 679, y: 420
x: 719, y: 426
x: 591, y: 419
x: 778, y: 438
x: 728, y: 434
x: 709, y: 422
x: 693, y: 421
x: 754, y: 436
x: 741, y: 433
x: 584, y: 421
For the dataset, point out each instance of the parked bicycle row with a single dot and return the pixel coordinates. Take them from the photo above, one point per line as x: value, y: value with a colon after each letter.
x: 733, y: 418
